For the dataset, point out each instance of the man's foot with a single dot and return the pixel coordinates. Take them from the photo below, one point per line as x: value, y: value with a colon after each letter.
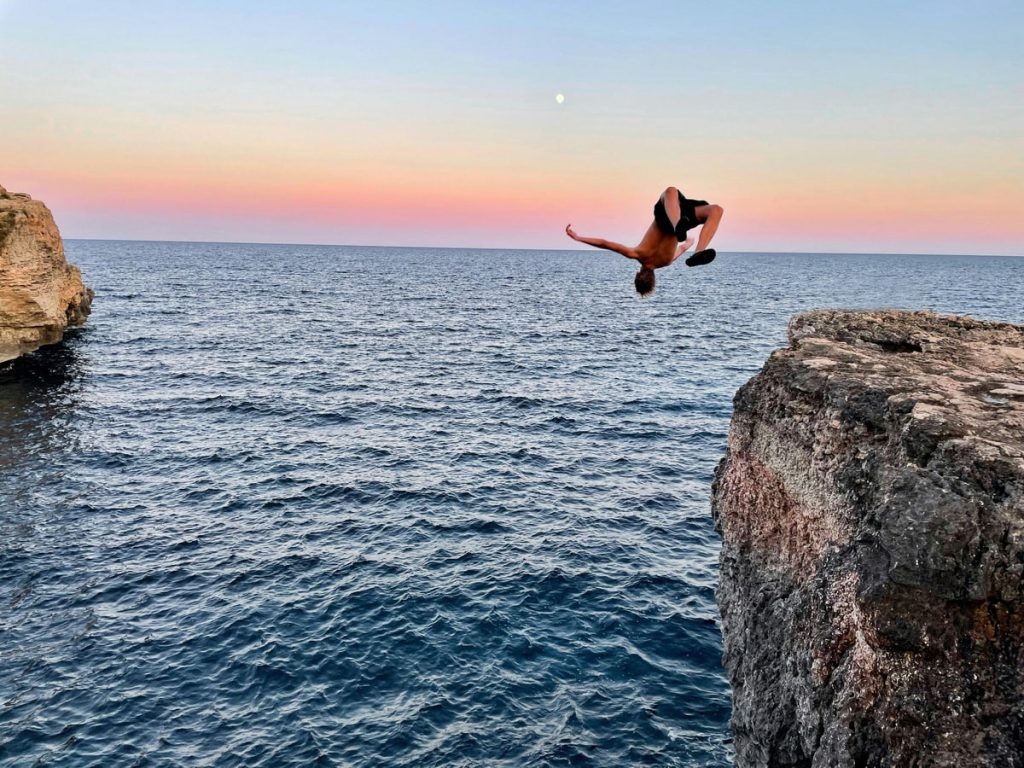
x: 700, y: 258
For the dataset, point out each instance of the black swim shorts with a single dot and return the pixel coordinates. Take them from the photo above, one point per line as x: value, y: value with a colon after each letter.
x: 688, y: 221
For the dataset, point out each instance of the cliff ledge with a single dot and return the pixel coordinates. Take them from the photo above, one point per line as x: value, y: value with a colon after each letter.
x: 40, y: 293
x: 871, y: 507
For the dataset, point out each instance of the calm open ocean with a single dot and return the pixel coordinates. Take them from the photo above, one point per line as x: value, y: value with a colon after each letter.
x: 293, y: 506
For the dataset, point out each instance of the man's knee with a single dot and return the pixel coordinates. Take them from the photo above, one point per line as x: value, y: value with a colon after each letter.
x: 670, y: 193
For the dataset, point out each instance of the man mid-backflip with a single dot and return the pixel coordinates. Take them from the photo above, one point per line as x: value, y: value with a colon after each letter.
x: 674, y: 215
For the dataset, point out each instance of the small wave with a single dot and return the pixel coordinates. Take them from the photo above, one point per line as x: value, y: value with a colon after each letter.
x: 464, y: 526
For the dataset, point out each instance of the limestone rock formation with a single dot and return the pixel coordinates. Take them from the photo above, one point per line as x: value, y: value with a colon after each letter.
x: 40, y: 293
x: 871, y: 507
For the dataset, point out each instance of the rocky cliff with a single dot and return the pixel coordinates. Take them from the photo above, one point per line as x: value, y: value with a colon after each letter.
x: 40, y: 293
x: 871, y: 507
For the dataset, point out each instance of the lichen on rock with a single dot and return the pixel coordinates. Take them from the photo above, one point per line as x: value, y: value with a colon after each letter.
x: 40, y: 293
x: 871, y: 507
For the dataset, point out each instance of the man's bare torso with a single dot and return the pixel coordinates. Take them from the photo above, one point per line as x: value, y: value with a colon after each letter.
x: 656, y: 249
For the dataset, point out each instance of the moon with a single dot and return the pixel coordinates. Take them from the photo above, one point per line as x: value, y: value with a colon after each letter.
x: 560, y: 98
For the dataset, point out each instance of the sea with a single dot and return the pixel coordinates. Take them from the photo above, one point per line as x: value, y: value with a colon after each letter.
x: 364, y: 506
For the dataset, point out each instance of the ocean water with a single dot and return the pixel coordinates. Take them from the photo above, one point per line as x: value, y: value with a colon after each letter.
x: 293, y: 506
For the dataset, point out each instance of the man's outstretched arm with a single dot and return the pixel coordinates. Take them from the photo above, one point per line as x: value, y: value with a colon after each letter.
x: 598, y: 242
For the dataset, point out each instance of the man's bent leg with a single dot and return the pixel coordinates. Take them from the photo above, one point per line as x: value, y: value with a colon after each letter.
x: 670, y: 199
x: 711, y: 215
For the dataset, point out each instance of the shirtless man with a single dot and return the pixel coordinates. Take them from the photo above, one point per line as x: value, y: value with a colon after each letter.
x: 673, y: 216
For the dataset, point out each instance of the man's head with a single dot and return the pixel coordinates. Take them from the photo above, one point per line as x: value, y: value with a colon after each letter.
x: 644, y: 281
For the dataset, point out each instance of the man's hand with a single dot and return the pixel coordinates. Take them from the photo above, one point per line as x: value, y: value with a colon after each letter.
x: 569, y: 231
x: 684, y: 246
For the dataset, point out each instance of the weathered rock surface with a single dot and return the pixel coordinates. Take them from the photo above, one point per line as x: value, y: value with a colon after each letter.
x: 871, y: 506
x: 40, y: 293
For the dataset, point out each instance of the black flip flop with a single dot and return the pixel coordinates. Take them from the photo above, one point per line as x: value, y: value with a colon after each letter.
x: 700, y: 258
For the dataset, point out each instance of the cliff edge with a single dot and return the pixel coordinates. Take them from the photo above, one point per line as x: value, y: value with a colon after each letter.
x: 871, y: 507
x: 40, y: 293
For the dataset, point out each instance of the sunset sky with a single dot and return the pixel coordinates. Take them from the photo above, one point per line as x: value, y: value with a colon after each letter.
x: 867, y: 127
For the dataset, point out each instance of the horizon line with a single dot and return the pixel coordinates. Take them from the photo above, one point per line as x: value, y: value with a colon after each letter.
x: 477, y: 248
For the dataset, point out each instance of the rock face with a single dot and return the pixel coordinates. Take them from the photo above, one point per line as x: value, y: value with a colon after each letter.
x: 871, y: 507
x: 40, y: 293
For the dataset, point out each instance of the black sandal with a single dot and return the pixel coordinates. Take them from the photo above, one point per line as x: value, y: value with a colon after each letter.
x: 700, y: 258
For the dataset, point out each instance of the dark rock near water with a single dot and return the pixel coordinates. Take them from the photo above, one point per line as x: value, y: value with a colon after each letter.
x: 871, y: 506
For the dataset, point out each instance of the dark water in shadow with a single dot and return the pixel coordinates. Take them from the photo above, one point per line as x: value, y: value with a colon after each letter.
x: 352, y: 506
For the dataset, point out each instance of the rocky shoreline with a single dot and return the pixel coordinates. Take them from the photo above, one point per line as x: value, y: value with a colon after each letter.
x: 41, y: 295
x: 871, y: 507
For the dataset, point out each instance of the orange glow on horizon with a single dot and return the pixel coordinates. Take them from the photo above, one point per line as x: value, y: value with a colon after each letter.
x: 389, y: 202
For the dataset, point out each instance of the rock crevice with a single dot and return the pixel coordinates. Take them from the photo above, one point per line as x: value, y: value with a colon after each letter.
x: 871, y: 507
x: 40, y: 293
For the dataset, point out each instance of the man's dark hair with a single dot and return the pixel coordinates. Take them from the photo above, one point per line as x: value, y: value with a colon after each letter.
x: 644, y: 281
